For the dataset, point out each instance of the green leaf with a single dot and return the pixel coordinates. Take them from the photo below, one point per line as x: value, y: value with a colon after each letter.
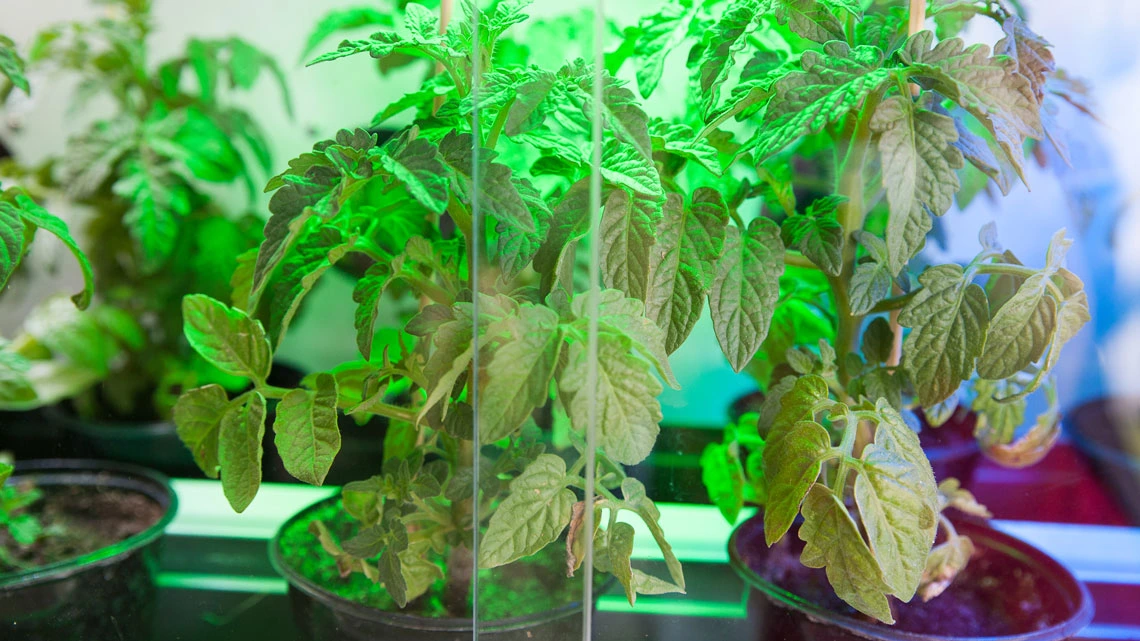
x: 817, y: 234
x: 1020, y: 330
x: 990, y: 88
x: 517, y: 245
x: 419, y: 572
x: 833, y: 541
x: 11, y: 241
x: 690, y: 241
x: 342, y: 19
x: 570, y: 220
x: 5, y: 472
x: 920, y: 165
x: 658, y: 34
x: 895, y: 503
x: 792, y: 462
x: 25, y: 529
x: 418, y: 165
x: 745, y: 289
x: 228, y: 338
x: 239, y: 450
x: 313, y: 256
x: 498, y: 193
x: 628, y: 236
x: 634, y: 498
x: 723, y: 42
x: 627, y: 316
x: 530, y: 105
x: 870, y: 284
x: 882, y: 383
x: 421, y: 22
x: 531, y: 517
x: 723, y: 476
x: 619, y: 550
x: 15, y: 387
x: 680, y: 140
x: 366, y: 294
x: 158, y: 200
x: 203, y: 146
x: 198, y: 417
x: 392, y: 575
x: 12, y: 65
x: 811, y: 19
x: 306, y: 432
x: 623, y: 166
x: 517, y: 379
x: 38, y: 216
x: 998, y: 419
x: 831, y: 84
x: 948, y: 319
x: 620, y: 111
x: 1072, y: 314
x: 627, y: 409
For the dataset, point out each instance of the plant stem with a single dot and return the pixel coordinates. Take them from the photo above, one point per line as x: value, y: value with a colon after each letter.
x: 894, y: 303
x: 497, y: 126
x: 799, y: 260
x: 851, y: 218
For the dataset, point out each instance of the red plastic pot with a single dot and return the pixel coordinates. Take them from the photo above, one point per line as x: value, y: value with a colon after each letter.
x: 1011, y: 591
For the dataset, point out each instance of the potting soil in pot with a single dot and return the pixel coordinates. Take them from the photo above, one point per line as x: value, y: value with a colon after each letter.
x: 531, y: 586
x: 79, y: 520
x: 996, y: 595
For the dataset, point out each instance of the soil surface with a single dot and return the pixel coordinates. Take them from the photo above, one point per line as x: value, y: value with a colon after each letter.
x: 996, y: 595
x: 530, y: 586
x: 81, y: 519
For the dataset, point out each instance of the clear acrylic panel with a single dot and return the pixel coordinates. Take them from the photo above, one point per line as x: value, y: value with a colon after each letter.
x: 573, y: 289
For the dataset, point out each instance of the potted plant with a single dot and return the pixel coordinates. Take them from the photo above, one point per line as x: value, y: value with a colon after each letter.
x: 69, y: 527
x: 483, y: 253
x: 832, y: 455
x: 155, y: 232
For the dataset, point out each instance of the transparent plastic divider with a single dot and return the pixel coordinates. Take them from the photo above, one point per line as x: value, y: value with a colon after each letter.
x: 531, y: 308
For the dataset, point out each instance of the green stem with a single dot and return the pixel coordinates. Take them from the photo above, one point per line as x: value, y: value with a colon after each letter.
x: 497, y: 126
x: 737, y: 219
x: 799, y: 260
x: 846, y: 447
x: 378, y: 408
x: 1018, y: 270
x: 850, y: 216
x: 891, y: 304
x: 463, y: 221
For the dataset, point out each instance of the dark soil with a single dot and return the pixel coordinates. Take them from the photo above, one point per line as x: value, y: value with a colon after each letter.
x: 80, y: 520
x: 996, y: 595
x: 530, y: 586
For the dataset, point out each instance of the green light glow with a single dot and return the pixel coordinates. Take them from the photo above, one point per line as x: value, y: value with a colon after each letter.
x: 222, y: 583
x: 662, y: 606
x: 698, y: 532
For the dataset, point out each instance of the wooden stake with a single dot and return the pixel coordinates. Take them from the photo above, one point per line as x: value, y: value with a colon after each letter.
x: 445, y: 10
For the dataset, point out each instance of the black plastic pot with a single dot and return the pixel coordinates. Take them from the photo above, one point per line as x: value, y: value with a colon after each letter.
x: 1011, y: 591
x: 28, y: 435
x: 324, y: 616
x: 1100, y: 429
x: 153, y: 444
x: 105, y: 595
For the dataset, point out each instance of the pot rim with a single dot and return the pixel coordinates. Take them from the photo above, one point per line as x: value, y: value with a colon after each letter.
x: 982, y: 536
x: 115, y: 429
x: 300, y: 582
x: 73, y: 472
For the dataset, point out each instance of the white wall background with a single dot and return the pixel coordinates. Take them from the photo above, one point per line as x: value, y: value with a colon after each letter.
x: 1094, y: 39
